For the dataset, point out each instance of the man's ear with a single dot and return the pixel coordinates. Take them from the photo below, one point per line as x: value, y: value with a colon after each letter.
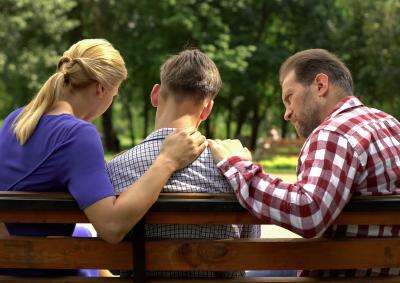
x: 154, y: 95
x: 322, y: 84
x: 206, y: 110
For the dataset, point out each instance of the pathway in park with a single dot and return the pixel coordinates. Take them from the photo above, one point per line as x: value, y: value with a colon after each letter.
x: 273, y: 231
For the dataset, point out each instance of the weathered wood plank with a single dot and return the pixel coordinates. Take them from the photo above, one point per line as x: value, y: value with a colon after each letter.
x: 213, y: 255
x: 273, y: 254
x: 64, y: 252
x: 154, y: 217
x: 8, y: 279
x: 369, y: 218
x: 64, y: 279
x: 42, y: 216
x: 192, y: 202
x: 187, y: 255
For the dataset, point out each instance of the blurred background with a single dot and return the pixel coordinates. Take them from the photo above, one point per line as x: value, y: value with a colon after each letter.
x: 248, y: 40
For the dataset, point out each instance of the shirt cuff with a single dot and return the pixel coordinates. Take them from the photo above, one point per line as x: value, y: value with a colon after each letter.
x: 223, y: 161
x: 227, y: 163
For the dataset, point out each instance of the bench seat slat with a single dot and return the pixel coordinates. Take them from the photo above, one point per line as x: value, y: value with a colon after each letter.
x: 8, y: 279
x: 64, y: 279
x: 64, y: 252
x: 213, y: 255
x: 273, y: 254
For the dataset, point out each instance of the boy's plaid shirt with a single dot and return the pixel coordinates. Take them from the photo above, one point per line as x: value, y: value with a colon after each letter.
x: 201, y: 176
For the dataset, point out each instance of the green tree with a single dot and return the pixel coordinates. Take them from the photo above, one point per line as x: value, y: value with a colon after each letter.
x: 31, y: 33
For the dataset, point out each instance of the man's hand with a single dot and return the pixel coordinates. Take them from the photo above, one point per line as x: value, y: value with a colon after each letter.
x: 227, y: 148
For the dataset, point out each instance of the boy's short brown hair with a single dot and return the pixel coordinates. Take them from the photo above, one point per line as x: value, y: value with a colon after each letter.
x: 190, y: 74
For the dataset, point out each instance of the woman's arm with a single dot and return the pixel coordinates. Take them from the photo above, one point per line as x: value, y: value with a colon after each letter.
x: 113, y: 217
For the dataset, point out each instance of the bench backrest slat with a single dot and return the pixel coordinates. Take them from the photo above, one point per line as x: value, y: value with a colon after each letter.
x: 154, y: 217
x: 25, y: 207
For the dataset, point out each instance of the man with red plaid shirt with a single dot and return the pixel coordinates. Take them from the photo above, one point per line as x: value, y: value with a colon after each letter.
x: 350, y: 149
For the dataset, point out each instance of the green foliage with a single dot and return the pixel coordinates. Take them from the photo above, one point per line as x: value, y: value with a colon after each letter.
x: 248, y: 40
x: 31, y: 33
x: 371, y: 44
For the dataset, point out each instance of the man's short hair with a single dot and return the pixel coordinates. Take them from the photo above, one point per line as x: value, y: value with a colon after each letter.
x: 190, y: 74
x: 308, y: 63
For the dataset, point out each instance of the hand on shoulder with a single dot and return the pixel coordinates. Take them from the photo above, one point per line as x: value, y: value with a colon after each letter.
x: 183, y: 146
x: 222, y: 149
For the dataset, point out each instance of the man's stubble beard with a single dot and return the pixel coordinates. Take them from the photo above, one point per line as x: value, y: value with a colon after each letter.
x: 310, y: 119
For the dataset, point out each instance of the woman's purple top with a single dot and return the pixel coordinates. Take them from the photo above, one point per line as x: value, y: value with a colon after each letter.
x: 63, y: 154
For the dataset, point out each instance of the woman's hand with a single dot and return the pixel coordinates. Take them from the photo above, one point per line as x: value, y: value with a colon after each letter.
x: 227, y: 148
x: 183, y: 146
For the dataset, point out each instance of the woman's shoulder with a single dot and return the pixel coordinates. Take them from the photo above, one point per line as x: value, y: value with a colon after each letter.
x: 61, y: 131
x: 11, y: 117
x: 68, y: 123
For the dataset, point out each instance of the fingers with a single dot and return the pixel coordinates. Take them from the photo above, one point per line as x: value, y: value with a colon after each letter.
x: 188, y: 131
x: 247, y: 154
x: 192, y: 133
x: 214, y: 144
x: 211, y: 143
x: 202, y: 146
x: 227, y: 148
x: 183, y: 146
x: 199, y: 138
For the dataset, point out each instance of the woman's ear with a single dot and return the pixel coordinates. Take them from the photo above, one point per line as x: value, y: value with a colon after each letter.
x: 99, y: 89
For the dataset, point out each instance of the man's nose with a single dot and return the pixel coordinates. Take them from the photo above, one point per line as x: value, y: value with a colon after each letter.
x: 288, y: 114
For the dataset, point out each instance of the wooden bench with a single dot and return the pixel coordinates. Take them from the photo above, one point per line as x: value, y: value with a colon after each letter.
x: 188, y: 255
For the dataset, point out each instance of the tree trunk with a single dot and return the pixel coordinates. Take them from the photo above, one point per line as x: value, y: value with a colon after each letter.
x: 111, y: 141
x: 228, y: 120
x: 255, y: 124
x: 131, y: 124
x: 240, y: 122
x: 110, y: 138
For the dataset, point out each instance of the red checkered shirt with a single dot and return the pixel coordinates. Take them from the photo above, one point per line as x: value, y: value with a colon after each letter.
x: 355, y: 151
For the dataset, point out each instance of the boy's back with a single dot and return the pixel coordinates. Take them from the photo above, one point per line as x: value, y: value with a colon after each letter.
x: 201, y: 176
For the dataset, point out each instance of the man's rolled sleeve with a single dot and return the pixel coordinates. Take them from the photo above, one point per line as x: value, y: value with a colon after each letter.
x: 325, y: 177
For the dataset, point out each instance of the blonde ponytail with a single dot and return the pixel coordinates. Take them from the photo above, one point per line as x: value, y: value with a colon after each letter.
x: 27, y: 120
x: 85, y: 62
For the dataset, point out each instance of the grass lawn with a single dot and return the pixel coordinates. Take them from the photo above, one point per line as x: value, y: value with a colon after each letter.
x: 273, y: 231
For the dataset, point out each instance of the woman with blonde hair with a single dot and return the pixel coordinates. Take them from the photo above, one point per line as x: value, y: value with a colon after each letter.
x: 51, y: 145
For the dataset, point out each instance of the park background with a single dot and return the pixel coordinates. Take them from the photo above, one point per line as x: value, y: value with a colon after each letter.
x: 248, y: 40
